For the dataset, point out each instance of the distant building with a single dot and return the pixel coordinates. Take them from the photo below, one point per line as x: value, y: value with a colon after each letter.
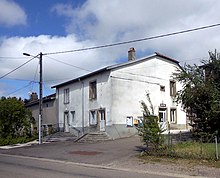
x: 49, y: 119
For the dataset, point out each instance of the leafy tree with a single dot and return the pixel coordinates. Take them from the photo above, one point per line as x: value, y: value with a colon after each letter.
x: 200, y: 95
x: 150, y: 131
x: 14, y: 118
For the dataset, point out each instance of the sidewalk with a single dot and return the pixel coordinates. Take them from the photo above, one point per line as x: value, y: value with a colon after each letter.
x: 121, y: 153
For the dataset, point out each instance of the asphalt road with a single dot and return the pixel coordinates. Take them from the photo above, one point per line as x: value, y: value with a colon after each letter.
x: 116, y: 158
x: 103, y: 153
x: 21, y: 167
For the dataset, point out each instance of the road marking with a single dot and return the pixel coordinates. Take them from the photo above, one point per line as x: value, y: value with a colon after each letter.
x: 102, y: 167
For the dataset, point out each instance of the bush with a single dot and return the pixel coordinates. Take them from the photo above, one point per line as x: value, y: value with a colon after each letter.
x: 11, y: 141
x: 150, y: 131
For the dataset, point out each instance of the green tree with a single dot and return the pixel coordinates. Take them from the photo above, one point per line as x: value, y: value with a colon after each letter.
x: 150, y: 131
x: 200, y: 95
x: 14, y: 118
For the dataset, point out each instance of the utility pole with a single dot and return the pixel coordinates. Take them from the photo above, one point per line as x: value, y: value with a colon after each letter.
x: 40, y: 99
x: 40, y: 133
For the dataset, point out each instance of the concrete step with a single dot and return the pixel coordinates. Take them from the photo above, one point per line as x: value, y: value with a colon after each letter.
x: 60, y: 136
x: 94, y: 137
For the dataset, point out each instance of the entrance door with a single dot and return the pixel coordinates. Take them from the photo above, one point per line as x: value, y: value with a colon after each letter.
x: 162, y: 117
x: 66, y: 122
x: 101, y: 118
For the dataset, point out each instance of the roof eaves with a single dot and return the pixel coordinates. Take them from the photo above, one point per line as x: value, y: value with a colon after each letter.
x: 130, y: 62
x: 116, y: 66
x: 45, y: 99
x: 166, y: 57
x: 81, y: 77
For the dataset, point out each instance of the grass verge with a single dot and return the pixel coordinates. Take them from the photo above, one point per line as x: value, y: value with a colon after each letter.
x: 186, y: 153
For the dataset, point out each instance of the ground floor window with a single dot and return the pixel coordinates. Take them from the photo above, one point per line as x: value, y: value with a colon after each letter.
x: 73, y: 118
x: 129, y: 121
x: 93, y: 117
x: 173, y: 115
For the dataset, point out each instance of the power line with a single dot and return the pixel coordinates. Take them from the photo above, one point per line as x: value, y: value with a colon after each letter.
x: 20, y: 88
x: 17, y: 67
x: 8, y: 57
x: 135, y: 41
x: 35, y: 75
x: 69, y: 64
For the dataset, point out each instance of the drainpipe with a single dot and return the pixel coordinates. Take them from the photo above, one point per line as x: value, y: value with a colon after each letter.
x: 82, y: 87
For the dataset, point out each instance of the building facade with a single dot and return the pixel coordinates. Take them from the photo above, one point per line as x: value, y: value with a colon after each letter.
x: 109, y: 100
x: 49, y: 114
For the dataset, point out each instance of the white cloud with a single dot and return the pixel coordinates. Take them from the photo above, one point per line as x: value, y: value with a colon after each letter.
x: 99, y: 22
x: 11, y: 13
x: 113, y: 21
x: 53, y: 70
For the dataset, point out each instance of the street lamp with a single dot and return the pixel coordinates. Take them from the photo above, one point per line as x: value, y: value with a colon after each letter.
x: 40, y: 97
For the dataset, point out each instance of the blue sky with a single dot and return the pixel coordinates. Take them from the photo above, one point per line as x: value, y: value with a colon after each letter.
x: 60, y: 25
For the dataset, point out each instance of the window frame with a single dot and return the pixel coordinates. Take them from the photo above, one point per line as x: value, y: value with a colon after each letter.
x: 162, y: 88
x: 173, y: 115
x: 93, y: 90
x: 130, y: 121
x: 172, y: 88
x: 93, y: 116
x: 66, y: 97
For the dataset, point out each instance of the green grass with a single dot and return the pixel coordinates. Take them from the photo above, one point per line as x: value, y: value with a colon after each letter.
x: 195, y: 150
x: 185, y: 153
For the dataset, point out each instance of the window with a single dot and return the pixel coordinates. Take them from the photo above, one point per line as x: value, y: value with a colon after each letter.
x: 173, y: 115
x: 162, y: 115
x: 129, y: 121
x: 73, y: 119
x: 162, y: 88
x: 172, y: 88
x: 92, y: 90
x: 66, y: 96
x: 92, y: 118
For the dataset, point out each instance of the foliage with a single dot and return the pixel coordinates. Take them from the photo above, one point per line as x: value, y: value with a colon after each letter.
x: 11, y: 141
x: 14, y: 118
x: 200, y: 95
x: 150, y: 131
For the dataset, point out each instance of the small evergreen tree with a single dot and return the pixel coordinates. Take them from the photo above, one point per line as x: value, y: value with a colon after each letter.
x: 150, y: 131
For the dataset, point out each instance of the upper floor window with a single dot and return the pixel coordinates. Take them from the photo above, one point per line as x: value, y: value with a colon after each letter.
x: 172, y: 88
x: 162, y: 88
x: 92, y: 90
x: 66, y: 96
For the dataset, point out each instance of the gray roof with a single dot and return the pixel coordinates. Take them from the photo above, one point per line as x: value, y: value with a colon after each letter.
x: 116, y: 66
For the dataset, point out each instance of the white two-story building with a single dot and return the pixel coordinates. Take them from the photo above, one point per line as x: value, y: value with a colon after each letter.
x: 108, y: 100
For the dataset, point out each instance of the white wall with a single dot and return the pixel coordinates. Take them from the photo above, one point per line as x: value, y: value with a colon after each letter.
x: 119, y: 92
x: 103, y: 99
x: 130, y: 84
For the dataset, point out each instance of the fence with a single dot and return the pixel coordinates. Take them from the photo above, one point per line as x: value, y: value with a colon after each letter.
x: 186, y: 146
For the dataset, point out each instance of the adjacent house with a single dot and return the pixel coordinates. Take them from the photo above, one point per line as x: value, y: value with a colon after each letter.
x: 49, y: 119
x: 108, y: 100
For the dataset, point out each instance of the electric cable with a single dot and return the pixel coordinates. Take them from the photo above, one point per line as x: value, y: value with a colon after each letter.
x: 20, y: 89
x: 134, y: 41
x: 69, y: 64
x: 18, y: 67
